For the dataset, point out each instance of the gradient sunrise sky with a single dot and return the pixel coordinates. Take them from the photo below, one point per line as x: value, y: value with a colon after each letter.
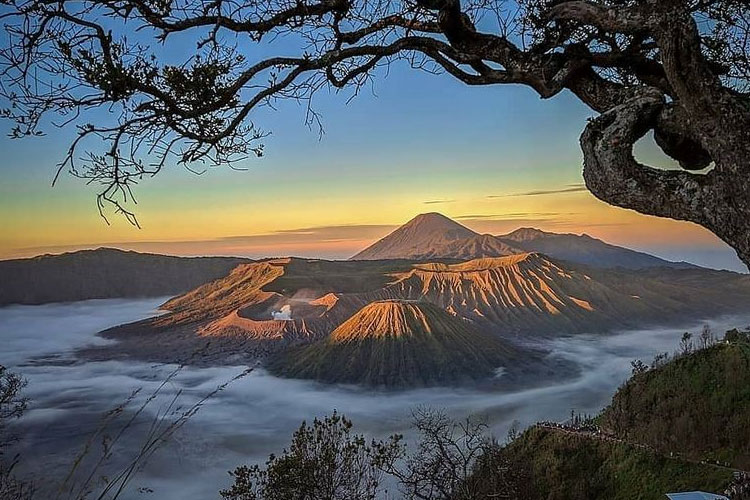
x: 493, y: 158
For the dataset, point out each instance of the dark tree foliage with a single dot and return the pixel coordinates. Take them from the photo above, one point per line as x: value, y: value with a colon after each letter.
x: 325, y: 461
x: 452, y: 461
x: 12, y: 406
x: 735, y: 336
x: 677, y: 68
x: 686, y: 344
x: 12, y: 402
x: 638, y: 366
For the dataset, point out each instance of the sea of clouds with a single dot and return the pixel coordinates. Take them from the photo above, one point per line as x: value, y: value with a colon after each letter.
x: 255, y: 415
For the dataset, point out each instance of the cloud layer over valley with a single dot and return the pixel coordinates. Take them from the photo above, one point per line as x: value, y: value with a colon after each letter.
x: 255, y: 415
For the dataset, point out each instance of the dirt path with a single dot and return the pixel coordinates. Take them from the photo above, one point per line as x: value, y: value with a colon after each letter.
x: 602, y: 436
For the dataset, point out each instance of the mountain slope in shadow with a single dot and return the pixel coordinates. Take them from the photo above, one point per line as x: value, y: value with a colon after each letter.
x: 399, y: 343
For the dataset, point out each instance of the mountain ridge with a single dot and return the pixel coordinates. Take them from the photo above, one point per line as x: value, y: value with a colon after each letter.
x: 264, y: 306
x: 433, y: 235
x: 520, y: 294
x: 585, y: 249
x: 105, y: 273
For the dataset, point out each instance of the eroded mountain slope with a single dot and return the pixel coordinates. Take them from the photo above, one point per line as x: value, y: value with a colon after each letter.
x: 399, y: 343
x: 522, y: 294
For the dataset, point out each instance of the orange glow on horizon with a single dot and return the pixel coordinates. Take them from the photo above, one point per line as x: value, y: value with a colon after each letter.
x: 337, y: 228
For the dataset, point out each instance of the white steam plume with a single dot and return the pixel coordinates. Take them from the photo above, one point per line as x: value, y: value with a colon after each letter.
x: 284, y: 314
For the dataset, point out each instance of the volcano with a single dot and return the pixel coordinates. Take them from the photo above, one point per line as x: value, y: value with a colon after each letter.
x: 533, y: 294
x: 520, y: 295
x: 435, y: 236
x: 262, y: 308
x: 396, y: 343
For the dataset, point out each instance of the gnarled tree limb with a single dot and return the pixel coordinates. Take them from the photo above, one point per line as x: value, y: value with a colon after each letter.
x: 613, y: 175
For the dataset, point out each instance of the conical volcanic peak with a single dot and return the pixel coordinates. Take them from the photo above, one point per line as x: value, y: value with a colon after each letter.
x: 399, y: 343
x: 434, y: 236
x: 396, y: 318
x: 434, y: 223
x: 421, y: 237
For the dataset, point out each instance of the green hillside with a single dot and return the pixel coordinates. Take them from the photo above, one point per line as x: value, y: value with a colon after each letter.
x: 568, y: 466
x: 681, y: 425
x: 696, y: 405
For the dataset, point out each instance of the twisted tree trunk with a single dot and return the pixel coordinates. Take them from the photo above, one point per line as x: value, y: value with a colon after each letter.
x: 704, y: 122
x: 715, y: 200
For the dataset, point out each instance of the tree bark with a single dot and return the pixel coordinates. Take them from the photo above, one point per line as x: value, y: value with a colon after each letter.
x: 718, y: 202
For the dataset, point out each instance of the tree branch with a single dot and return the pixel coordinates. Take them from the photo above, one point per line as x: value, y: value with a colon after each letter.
x: 617, y: 19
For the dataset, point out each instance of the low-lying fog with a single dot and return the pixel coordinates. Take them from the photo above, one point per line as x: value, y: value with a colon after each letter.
x: 255, y: 415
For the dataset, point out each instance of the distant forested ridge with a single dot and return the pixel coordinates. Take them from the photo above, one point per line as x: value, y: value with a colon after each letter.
x: 105, y: 273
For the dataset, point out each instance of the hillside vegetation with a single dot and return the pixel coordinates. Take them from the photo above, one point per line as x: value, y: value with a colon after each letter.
x: 568, y: 466
x: 696, y: 405
x: 681, y: 425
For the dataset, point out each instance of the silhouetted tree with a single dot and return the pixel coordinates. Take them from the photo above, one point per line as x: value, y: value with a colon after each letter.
x: 12, y: 406
x: 11, y: 487
x: 453, y: 460
x: 707, y: 337
x: 513, y: 431
x: 677, y: 68
x: 325, y: 461
x: 686, y: 344
x: 659, y: 360
x: 12, y: 402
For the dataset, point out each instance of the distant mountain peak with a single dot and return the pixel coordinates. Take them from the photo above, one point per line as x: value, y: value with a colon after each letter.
x: 420, y: 237
x: 432, y: 236
x: 431, y: 216
x: 526, y: 234
x: 434, y: 221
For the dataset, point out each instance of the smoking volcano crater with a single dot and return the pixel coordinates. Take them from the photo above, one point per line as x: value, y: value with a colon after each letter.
x: 278, y: 317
